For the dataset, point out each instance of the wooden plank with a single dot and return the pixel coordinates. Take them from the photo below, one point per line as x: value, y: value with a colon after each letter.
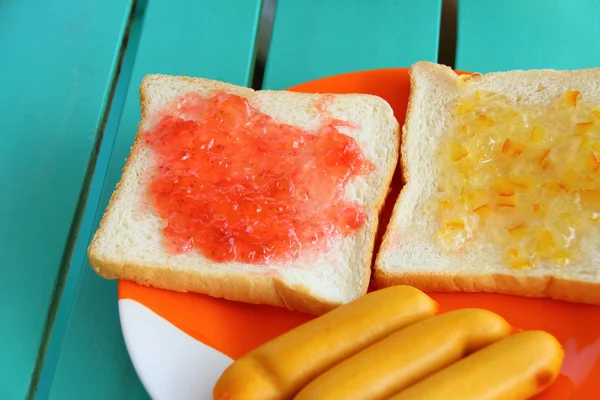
x: 57, y: 62
x: 514, y: 34
x: 75, y: 269
x: 213, y: 39
x: 315, y: 38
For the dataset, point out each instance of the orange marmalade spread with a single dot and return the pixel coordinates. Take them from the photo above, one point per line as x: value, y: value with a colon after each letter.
x: 525, y: 177
x: 235, y: 184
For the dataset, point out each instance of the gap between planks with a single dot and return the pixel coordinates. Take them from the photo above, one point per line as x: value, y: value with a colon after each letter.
x: 263, y: 39
x: 448, y: 33
x: 67, y: 283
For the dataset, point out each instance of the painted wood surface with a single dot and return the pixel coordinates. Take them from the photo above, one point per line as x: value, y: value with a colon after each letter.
x: 516, y: 34
x: 314, y: 38
x: 57, y: 62
x: 197, y: 38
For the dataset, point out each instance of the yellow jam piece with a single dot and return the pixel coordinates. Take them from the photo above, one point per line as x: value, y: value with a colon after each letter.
x: 525, y: 177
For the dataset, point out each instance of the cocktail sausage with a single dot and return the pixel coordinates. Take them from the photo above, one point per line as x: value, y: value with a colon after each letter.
x: 407, y: 356
x: 517, y: 367
x: 280, y: 368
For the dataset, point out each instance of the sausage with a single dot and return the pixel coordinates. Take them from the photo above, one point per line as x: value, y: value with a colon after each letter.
x: 514, y: 368
x: 282, y: 366
x: 408, y: 356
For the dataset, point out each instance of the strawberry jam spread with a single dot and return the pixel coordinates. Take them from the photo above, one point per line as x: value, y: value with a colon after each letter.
x: 235, y: 184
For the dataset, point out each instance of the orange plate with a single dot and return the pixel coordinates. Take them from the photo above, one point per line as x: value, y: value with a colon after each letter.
x: 576, y: 326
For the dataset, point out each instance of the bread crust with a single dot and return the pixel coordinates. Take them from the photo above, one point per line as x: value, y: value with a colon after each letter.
x: 386, y: 239
x: 267, y: 288
x: 527, y: 286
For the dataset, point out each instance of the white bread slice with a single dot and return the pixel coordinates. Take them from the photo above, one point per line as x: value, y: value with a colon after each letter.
x: 410, y: 255
x: 129, y: 243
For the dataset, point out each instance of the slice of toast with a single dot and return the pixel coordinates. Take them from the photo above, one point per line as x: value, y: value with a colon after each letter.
x: 130, y: 243
x: 527, y: 143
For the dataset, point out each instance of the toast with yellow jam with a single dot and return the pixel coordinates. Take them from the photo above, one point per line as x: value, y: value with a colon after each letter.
x: 502, y: 185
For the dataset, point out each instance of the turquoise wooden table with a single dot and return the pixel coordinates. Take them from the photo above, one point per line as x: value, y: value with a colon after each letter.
x: 69, y: 107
